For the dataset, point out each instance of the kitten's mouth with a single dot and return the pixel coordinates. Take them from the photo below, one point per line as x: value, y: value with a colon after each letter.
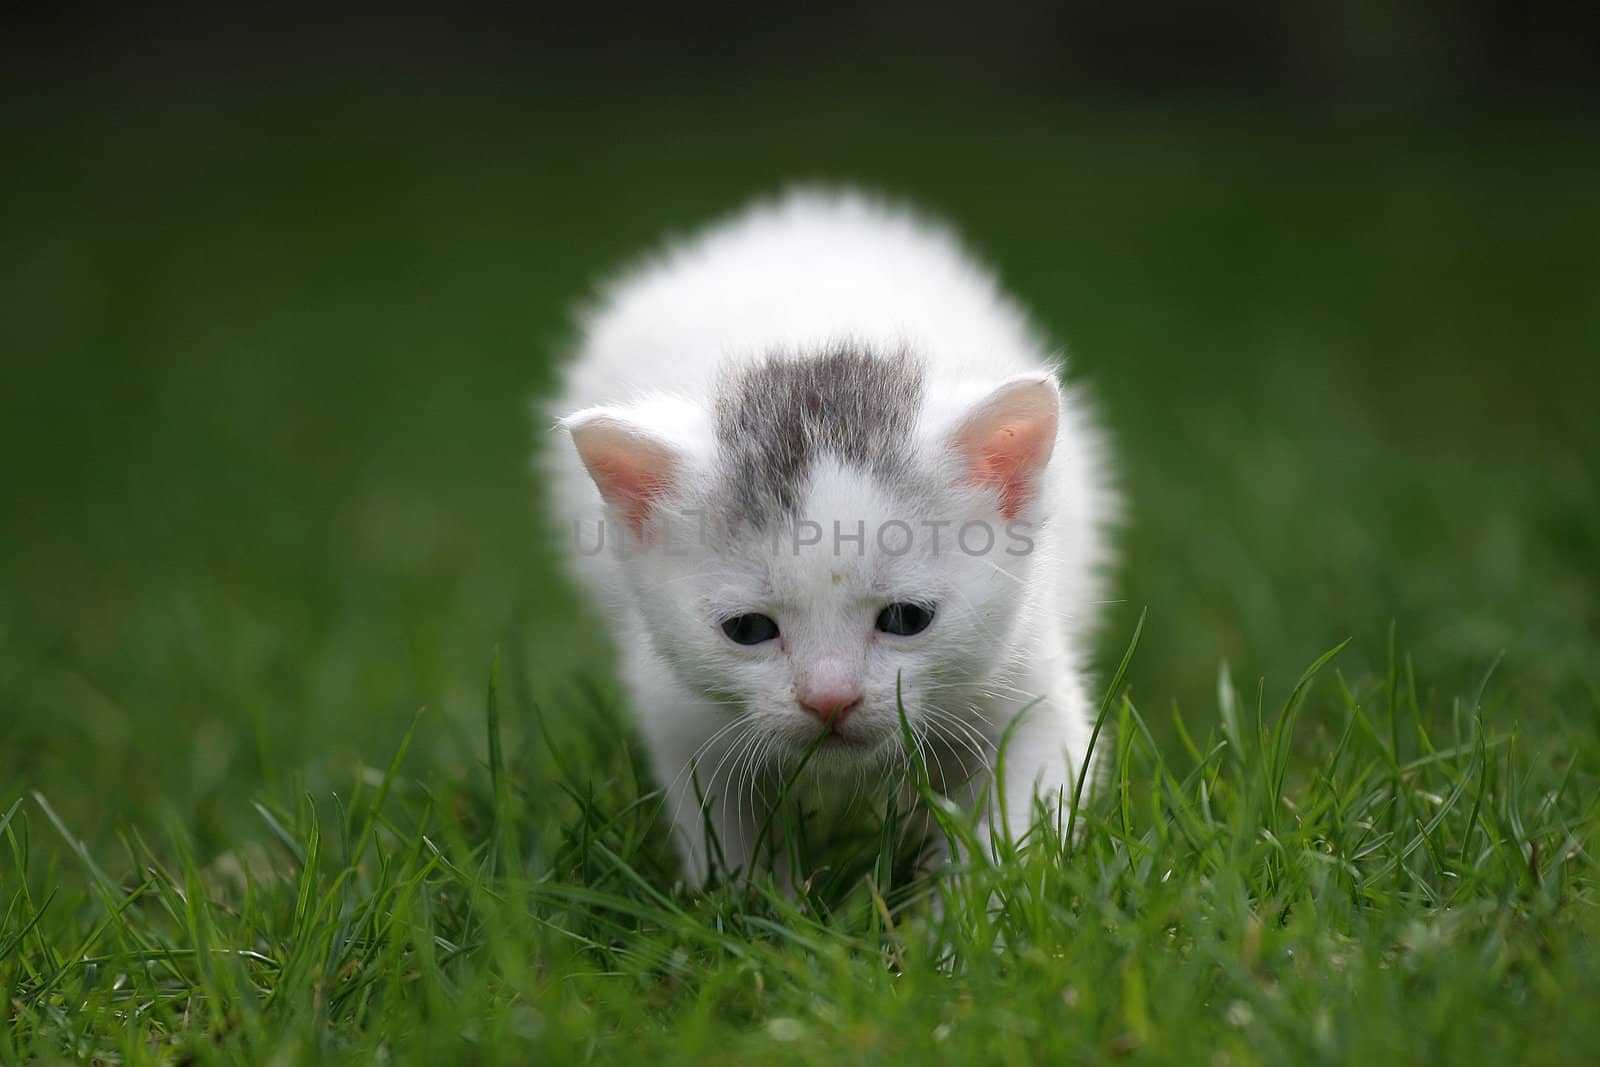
x: 845, y: 742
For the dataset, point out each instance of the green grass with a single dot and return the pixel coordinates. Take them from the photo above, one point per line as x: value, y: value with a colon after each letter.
x: 264, y: 442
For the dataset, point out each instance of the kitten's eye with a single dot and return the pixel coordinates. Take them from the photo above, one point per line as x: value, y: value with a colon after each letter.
x: 750, y: 629
x: 904, y: 619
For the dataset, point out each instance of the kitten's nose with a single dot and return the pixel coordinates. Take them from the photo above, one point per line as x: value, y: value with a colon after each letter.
x: 830, y: 709
x: 829, y: 692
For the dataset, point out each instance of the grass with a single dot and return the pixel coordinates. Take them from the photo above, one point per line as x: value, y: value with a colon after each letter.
x: 1242, y: 900
x: 266, y: 357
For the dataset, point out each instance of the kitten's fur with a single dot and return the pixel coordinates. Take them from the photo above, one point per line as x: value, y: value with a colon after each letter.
x: 828, y: 359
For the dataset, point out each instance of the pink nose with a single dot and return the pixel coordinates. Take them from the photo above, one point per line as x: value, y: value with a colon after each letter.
x: 830, y: 691
x: 830, y: 709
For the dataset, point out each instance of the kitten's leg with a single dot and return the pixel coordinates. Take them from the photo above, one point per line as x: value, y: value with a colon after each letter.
x: 714, y: 810
x: 699, y: 754
x: 1044, y: 755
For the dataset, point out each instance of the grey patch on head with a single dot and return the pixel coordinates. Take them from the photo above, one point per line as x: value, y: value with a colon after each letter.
x: 774, y: 421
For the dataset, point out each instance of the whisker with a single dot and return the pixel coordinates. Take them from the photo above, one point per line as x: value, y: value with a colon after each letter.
x: 688, y: 770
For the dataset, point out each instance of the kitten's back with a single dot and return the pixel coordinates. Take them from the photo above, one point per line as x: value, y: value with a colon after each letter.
x: 800, y: 273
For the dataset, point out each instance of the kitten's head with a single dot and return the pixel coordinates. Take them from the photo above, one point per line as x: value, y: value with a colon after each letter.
x: 825, y: 543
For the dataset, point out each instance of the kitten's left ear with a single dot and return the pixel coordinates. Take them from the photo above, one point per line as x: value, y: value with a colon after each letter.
x: 1005, y: 440
x: 631, y: 465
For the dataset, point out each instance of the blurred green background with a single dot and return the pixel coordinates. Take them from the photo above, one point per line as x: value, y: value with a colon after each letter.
x: 271, y: 316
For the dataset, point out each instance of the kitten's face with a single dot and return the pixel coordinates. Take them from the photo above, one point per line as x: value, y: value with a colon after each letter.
x: 833, y: 551
x: 817, y: 631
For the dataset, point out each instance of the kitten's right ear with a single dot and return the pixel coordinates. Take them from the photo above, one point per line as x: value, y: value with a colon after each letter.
x: 631, y: 466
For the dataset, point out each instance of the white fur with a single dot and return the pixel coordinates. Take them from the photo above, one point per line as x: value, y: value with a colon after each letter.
x: 796, y: 274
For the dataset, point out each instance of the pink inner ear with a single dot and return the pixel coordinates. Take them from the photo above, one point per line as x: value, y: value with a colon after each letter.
x: 627, y: 486
x: 631, y: 470
x: 1006, y: 445
x: 1008, y: 460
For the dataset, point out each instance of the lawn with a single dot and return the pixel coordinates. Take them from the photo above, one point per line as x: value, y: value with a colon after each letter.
x: 307, y: 752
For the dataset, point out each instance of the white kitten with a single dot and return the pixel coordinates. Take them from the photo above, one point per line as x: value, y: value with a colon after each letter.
x: 821, y: 460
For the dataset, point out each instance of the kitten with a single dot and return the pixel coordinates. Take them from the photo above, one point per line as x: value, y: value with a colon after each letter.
x: 821, y: 467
